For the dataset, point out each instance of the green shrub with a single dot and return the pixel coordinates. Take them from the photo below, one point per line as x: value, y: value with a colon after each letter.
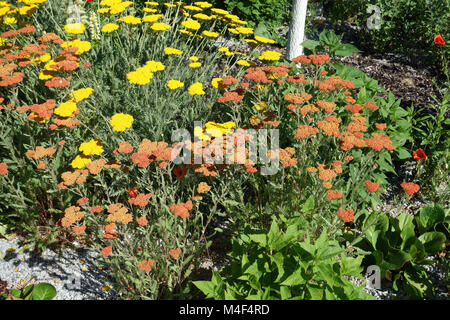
x: 281, y: 264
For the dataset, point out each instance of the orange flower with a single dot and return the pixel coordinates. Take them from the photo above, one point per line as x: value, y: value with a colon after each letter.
x: 379, y: 141
x: 96, y: 209
x: 174, y: 253
x: 106, y: 251
x: 311, y: 169
x: 41, y: 165
x: 328, y: 107
x: 146, y: 265
x: 3, y: 168
x: 82, y: 201
x: 141, y: 159
x: 380, y: 126
x: 333, y: 195
x: 371, y: 105
x: 410, y: 188
x: 78, y: 229
x: 348, y: 158
x: 325, y: 173
x: 372, y: 186
x: 346, y: 215
x: 125, y: 147
x: 140, y: 200
x: 327, y: 185
x: 203, y: 187
x: 354, y: 108
x: 304, y: 131
x: 181, y: 209
x: 142, y: 221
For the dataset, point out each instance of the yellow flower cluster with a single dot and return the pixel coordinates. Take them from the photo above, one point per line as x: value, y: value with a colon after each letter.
x: 120, y: 122
x: 74, y: 28
x: 174, y: 84
x: 160, y: 26
x: 66, y: 109
x: 110, y: 27
x: 114, y: 6
x: 93, y: 147
x: 81, y: 94
x: 170, y: 51
x: 270, y: 55
x: 83, y: 46
x: 191, y: 24
x: 130, y: 20
x: 196, y: 89
x: 151, y: 18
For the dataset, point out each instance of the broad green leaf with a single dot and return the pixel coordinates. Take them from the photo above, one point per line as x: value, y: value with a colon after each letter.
x: 431, y: 215
x: 206, y: 287
x: 310, y: 44
x: 44, y: 291
x: 433, y: 242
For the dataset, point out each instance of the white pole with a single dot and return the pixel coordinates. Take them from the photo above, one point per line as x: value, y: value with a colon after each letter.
x: 297, y: 29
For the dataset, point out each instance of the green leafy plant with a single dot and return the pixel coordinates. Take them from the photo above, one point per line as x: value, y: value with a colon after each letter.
x: 40, y: 291
x: 400, y: 246
x: 331, y: 44
x: 280, y: 264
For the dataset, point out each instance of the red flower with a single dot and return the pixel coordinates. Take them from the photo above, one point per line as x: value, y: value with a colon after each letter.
x: 132, y: 192
x: 180, y: 172
x: 439, y: 40
x: 419, y: 154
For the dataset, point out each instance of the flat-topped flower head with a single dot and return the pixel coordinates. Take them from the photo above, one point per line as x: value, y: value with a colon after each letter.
x: 120, y: 122
x: 196, y: 89
x: 110, y: 27
x: 74, y: 28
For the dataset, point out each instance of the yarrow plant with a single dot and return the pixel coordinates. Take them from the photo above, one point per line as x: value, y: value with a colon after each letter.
x: 138, y: 139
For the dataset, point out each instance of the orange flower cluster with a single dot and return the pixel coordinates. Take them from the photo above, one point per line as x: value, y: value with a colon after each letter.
x: 330, y: 126
x: 181, y: 209
x: 41, y: 112
x: 410, y: 187
x: 124, y: 147
x: 40, y: 152
x: 326, y: 173
x: 349, y: 140
x: 69, y: 178
x: 257, y: 75
x: 203, y: 187
x: 333, y: 83
x: 371, y: 186
x: 96, y: 166
x: 308, y: 108
x: 354, y: 108
x: 312, y: 58
x: 78, y: 229
x: 3, y: 168
x: 151, y: 151
x: 141, y: 200
x: 72, y: 215
x: 285, y: 156
x: 371, y: 105
x: 297, y: 98
x: 380, y: 126
x: 328, y: 107
x: 142, y: 221
x: 57, y: 82
x: 106, y: 251
x: 332, y: 195
x: 299, y: 78
x: 304, y: 131
x: 230, y: 96
x: 175, y: 253
x: 379, y: 141
x: 346, y: 215
x: 109, y: 232
x: 146, y: 265
x: 118, y: 213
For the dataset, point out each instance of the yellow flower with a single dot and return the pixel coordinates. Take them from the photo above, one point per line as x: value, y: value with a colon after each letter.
x: 196, y: 89
x: 150, y: 10
x: 141, y: 76
x: 81, y: 94
x: 223, y: 49
x: 83, y: 46
x: 152, y: 3
x: 270, y: 55
x: 80, y: 161
x: 27, y: 10
x: 160, y: 26
x: 251, y: 41
x: 203, y: 4
x: 66, y: 109
x: 121, y: 122
x: 193, y: 8
x: 201, y: 16
x: 169, y: 5
x: 213, y: 128
x: 261, y: 105
x: 154, y: 66
x: 93, y: 147
x: 174, y: 84
x: 210, y: 34
x: 191, y: 24
x: 244, y: 30
x: 264, y: 40
x: 244, y: 63
x: 151, y: 18
x: 130, y: 20
x: 9, y: 20
x: 216, y: 82
x: 193, y: 58
x: 170, y: 51
x: 110, y: 27
x: 195, y: 65
x: 219, y: 11
x: 74, y: 28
